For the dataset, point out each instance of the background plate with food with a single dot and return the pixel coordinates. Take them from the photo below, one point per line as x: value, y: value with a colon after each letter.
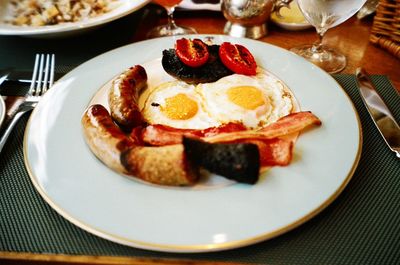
x: 193, y: 218
x: 46, y: 19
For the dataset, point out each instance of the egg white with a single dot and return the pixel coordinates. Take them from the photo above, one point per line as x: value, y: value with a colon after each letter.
x: 278, y: 101
x: 156, y: 101
x: 214, y: 106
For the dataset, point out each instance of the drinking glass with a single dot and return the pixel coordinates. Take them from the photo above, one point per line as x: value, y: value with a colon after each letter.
x: 170, y: 28
x: 323, y: 15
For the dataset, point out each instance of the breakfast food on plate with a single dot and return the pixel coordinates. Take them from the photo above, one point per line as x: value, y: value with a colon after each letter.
x: 193, y: 61
x: 51, y: 12
x: 240, y: 162
x: 193, y: 53
x: 211, y: 71
x: 254, y: 101
x: 164, y: 165
x: 123, y: 97
x: 237, y: 58
x: 177, y: 104
x: 233, y: 125
x: 104, y: 137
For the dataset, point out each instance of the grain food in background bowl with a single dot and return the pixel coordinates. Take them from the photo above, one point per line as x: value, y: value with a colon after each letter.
x: 52, y: 12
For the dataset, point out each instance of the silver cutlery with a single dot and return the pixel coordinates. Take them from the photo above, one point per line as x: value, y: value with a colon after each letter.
x: 4, y: 74
x: 24, y: 76
x: 42, y: 80
x: 379, y: 112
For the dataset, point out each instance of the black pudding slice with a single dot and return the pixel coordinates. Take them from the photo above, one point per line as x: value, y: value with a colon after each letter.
x: 211, y: 71
x: 236, y: 161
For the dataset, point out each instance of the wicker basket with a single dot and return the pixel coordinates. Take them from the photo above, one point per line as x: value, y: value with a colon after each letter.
x: 386, y: 26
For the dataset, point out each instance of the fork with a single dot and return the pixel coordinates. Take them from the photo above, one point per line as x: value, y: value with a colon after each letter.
x: 42, y: 80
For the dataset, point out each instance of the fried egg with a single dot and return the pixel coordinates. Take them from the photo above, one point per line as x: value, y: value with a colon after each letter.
x: 254, y: 101
x: 178, y: 105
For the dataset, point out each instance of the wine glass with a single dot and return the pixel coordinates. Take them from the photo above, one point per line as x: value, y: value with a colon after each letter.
x: 323, y: 15
x: 170, y: 28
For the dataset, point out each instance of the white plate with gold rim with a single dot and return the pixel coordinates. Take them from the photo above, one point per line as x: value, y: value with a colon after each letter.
x: 66, y: 29
x: 102, y: 202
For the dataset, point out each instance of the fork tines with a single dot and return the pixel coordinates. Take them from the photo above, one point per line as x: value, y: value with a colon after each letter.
x: 43, y: 74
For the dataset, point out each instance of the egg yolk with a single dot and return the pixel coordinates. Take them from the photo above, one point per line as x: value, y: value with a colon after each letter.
x: 247, y: 97
x: 180, y: 107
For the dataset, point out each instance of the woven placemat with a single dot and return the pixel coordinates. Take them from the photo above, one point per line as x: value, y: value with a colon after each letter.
x: 360, y: 227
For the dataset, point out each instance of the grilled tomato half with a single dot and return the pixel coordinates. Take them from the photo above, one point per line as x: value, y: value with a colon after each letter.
x: 193, y: 53
x: 237, y: 58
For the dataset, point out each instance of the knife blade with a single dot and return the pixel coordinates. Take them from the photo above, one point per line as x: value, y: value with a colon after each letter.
x: 18, y: 81
x: 24, y: 76
x: 20, y: 76
x: 4, y: 74
x: 379, y: 112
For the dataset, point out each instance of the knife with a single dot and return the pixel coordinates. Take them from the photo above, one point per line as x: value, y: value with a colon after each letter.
x: 4, y: 74
x: 17, y: 82
x: 378, y: 111
x: 24, y: 76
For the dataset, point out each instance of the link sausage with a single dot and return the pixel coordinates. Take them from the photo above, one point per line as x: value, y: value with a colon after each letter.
x: 123, y: 97
x: 165, y: 165
x: 104, y: 137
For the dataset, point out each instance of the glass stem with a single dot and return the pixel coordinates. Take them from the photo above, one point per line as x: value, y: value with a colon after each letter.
x: 171, y: 22
x: 317, y: 46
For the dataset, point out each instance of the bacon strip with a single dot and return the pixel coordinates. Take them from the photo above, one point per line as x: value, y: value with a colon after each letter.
x: 159, y: 135
x: 289, y: 124
x: 275, y: 147
x: 274, y: 152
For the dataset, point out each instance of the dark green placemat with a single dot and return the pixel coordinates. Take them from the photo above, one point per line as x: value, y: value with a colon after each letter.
x: 362, y: 226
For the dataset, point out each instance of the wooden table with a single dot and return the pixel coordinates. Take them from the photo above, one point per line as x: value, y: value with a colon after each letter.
x: 351, y: 38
